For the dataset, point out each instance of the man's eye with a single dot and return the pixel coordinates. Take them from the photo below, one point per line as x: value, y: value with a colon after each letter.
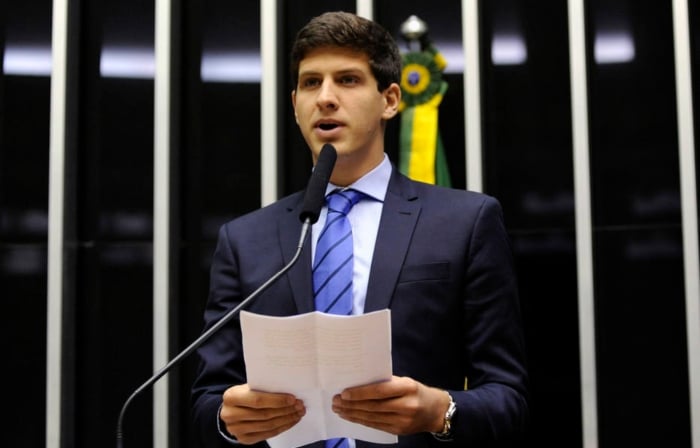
x: 348, y: 80
x: 310, y: 82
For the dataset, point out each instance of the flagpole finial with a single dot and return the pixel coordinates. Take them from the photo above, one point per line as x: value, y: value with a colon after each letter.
x: 414, y: 28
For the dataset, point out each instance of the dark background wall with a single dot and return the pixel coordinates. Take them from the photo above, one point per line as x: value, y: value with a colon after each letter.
x: 527, y: 165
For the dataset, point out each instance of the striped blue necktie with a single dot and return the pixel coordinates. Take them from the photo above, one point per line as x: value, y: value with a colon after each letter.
x: 332, y: 270
x: 333, y: 264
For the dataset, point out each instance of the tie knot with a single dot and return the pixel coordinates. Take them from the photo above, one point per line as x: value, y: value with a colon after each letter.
x: 341, y: 201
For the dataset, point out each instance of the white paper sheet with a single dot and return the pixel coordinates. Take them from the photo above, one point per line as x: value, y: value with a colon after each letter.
x: 315, y: 356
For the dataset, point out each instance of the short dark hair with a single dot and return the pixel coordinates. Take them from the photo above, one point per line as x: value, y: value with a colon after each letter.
x: 347, y: 30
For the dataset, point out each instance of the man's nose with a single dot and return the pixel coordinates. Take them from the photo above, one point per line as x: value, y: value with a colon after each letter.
x: 327, y: 97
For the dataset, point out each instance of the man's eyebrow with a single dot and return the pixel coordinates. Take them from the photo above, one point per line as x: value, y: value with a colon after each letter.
x: 343, y: 71
x: 308, y: 73
x: 350, y: 71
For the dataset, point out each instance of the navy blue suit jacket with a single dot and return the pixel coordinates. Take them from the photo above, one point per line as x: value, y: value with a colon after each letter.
x: 442, y: 264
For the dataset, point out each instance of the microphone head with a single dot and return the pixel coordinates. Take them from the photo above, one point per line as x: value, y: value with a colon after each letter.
x: 315, y: 195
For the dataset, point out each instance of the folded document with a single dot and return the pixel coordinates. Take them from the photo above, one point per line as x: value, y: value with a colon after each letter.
x: 315, y: 356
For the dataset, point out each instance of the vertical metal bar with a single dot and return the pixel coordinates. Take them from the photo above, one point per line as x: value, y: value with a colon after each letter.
x: 472, y: 94
x: 365, y: 8
x: 268, y: 96
x: 691, y: 263
x: 57, y: 161
x: 161, y: 216
x: 584, y: 232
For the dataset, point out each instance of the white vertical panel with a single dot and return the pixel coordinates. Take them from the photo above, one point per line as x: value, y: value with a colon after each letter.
x: 472, y: 93
x: 686, y: 147
x: 57, y: 159
x: 365, y: 9
x: 161, y: 215
x: 584, y: 233
x: 268, y: 97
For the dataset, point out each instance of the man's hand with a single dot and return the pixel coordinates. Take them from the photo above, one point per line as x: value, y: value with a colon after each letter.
x: 399, y: 406
x: 252, y: 416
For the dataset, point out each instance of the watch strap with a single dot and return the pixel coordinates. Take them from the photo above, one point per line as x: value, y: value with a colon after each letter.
x: 446, y: 434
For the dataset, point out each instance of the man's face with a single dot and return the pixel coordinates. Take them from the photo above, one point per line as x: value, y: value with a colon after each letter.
x: 336, y: 101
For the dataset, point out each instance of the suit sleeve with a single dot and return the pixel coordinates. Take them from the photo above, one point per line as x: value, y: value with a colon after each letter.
x: 493, y: 410
x: 221, y: 357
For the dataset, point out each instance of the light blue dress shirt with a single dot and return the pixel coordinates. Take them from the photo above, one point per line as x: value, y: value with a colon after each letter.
x: 364, y: 219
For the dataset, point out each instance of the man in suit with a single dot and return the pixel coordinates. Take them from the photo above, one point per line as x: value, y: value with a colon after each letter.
x: 438, y: 258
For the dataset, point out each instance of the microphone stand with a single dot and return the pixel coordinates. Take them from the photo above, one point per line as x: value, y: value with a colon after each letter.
x: 213, y: 329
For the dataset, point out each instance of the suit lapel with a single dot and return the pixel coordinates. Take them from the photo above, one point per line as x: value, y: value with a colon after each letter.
x: 299, y: 275
x: 399, y: 216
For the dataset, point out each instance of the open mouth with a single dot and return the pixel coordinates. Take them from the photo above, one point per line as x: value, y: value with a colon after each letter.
x: 327, y: 126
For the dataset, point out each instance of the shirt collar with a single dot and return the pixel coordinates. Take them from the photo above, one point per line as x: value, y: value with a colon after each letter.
x: 373, y: 184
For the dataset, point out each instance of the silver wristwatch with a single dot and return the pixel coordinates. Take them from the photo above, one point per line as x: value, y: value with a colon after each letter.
x: 446, y: 434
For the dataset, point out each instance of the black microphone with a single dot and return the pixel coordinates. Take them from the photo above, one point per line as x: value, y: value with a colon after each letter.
x: 314, y: 198
x: 316, y: 190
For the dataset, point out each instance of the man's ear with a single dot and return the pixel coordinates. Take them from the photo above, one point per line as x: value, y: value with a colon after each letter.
x: 392, y: 99
x: 294, y: 105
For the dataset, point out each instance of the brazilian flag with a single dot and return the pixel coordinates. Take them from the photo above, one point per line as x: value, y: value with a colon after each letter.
x: 422, y: 155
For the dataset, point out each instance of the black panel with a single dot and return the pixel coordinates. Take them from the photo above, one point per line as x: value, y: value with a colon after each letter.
x: 546, y: 265
x: 24, y: 159
x: 25, y: 45
x: 639, y: 296
x: 526, y: 108
x: 112, y: 301
x: 694, y: 23
x: 634, y: 157
x: 220, y: 160
x: 114, y: 342
x: 219, y: 172
x: 117, y: 161
x: 528, y: 166
x: 641, y: 338
x: 23, y: 332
